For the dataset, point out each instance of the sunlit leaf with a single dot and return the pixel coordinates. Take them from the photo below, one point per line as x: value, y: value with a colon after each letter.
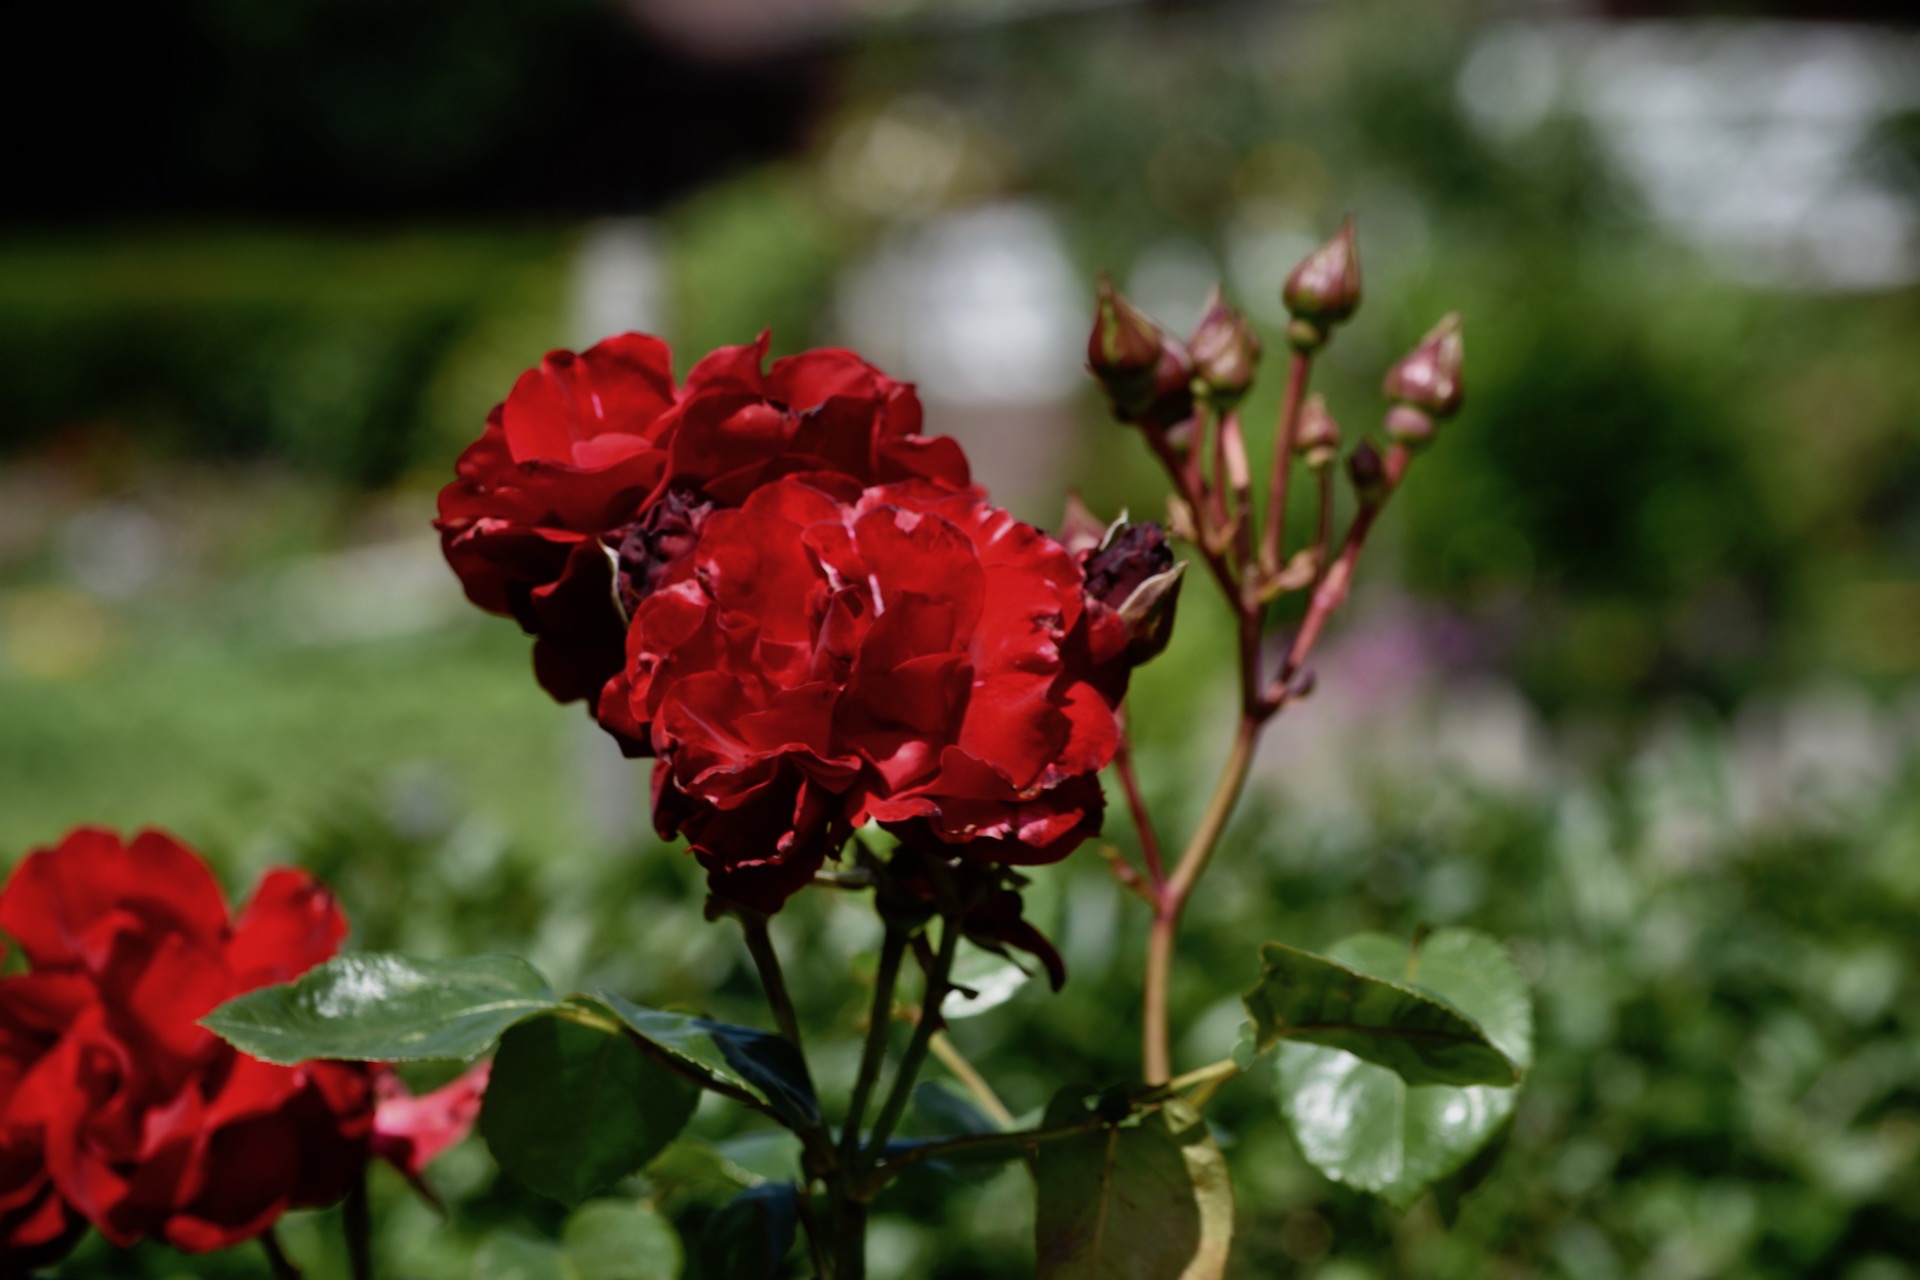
x: 1387, y: 1020
x: 1362, y: 1124
x: 384, y: 1008
x: 621, y: 1240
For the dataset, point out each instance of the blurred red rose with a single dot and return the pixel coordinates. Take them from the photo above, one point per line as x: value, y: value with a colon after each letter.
x: 146, y: 1124
x: 554, y: 519
x: 904, y: 654
x: 411, y: 1131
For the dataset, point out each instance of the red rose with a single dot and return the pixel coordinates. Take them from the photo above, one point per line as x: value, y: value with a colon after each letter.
x: 552, y: 519
x: 904, y: 654
x: 410, y: 1132
x: 148, y: 1125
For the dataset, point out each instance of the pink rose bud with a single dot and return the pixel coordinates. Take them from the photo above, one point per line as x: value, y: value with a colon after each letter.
x: 1325, y: 288
x: 1225, y: 352
x: 1125, y: 352
x: 1317, y: 437
x: 1428, y: 377
x: 1410, y: 426
x: 1368, y: 472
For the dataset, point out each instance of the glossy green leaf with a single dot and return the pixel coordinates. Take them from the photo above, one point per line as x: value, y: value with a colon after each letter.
x: 384, y: 1008
x: 750, y: 1235
x: 621, y: 1240
x: 506, y: 1256
x: 571, y: 1106
x: 1363, y: 1125
x: 762, y: 1063
x: 1145, y: 1200
x: 1384, y: 1019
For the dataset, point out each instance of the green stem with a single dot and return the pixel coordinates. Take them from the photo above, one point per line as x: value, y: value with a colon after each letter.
x: 357, y: 1221
x: 767, y: 961
x: 1155, y: 1057
x: 850, y: 1239
x: 283, y: 1268
x: 902, y: 1090
x: 892, y: 948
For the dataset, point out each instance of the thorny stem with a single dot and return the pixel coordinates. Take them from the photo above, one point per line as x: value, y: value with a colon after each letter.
x: 282, y: 1266
x: 1270, y: 545
x: 964, y: 1071
x: 892, y: 948
x: 937, y: 988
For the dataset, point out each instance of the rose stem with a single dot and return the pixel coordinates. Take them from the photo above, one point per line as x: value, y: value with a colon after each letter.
x: 967, y: 1074
x: 879, y: 1017
x: 815, y: 1245
x: 1137, y: 805
x: 1256, y: 709
x: 357, y: 1222
x: 283, y: 1268
x: 767, y: 960
x: 902, y: 1090
x: 1174, y: 894
x: 1271, y: 545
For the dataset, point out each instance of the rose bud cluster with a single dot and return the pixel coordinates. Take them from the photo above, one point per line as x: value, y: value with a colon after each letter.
x: 820, y: 623
x: 117, y: 1109
x: 597, y: 469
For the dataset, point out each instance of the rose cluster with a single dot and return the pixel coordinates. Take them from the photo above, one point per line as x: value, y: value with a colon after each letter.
x: 117, y: 1109
x: 773, y: 583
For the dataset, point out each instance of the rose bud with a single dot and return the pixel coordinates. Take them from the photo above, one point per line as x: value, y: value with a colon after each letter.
x: 1134, y: 574
x: 1172, y: 390
x: 1225, y: 352
x: 1317, y: 437
x: 1428, y: 377
x: 1410, y: 426
x: 1125, y: 352
x: 1324, y: 289
x: 1368, y: 473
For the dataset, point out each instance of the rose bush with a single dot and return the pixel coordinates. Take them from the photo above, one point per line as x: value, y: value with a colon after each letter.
x: 585, y: 479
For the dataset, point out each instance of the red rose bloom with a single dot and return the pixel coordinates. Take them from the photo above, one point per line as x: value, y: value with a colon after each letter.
x: 553, y: 519
x: 146, y: 1124
x: 904, y: 654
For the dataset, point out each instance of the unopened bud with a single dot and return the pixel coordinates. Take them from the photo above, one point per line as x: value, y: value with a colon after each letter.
x: 1172, y: 402
x: 1317, y: 437
x: 1428, y: 377
x: 1325, y: 287
x: 1134, y: 574
x: 1124, y: 352
x: 1225, y: 352
x: 1410, y: 426
x: 1368, y: 472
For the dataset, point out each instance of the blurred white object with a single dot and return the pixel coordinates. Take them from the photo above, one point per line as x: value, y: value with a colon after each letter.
x: 1750, y: 140
x: 619, y: 281
x: 981, y: 309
